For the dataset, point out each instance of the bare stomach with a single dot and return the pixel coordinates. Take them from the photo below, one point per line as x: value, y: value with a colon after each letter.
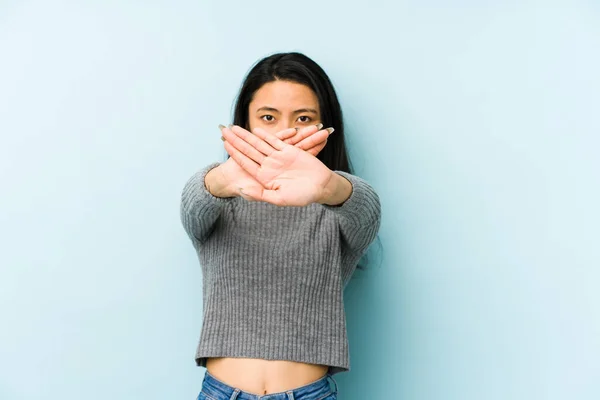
x: 260, y: 377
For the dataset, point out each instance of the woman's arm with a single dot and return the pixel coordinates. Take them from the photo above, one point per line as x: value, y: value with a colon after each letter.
x: 200, y: 208
x: 358, y: 207
x: 293, y: 177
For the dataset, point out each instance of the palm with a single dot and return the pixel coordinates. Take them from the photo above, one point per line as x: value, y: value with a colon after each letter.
x: 237, y: 176
x: 288, y: 175
x: 295, y: 177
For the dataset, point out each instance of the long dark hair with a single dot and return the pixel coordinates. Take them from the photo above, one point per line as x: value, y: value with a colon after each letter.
x: 298, y: 68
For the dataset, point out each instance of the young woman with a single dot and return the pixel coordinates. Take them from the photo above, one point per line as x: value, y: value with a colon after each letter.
x: 279, y: 228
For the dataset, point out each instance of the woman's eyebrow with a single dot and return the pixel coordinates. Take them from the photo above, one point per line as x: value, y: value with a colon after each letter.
x: 270, y: 109
x: 274, y: 110
x: 306, y: 110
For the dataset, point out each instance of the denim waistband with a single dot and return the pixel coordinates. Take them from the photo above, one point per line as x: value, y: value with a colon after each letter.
x: 312, y: 391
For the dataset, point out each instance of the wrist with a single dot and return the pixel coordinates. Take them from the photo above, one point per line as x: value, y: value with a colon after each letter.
x: 215, y: 184
x: 337, y: 190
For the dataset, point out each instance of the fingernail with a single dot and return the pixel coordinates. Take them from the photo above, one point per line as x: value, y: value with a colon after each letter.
x: 230, y: 126
x: 319, y: 126
x: 221, y: 126
x: 330, y: 130
x: 222, y: 138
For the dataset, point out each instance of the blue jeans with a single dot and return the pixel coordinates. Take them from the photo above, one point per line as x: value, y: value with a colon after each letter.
x: 214, y: 389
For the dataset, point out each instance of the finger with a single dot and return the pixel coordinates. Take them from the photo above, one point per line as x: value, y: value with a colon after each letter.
x: 317, y: 149
x: 255, y: 141
x: 284, y: 134
x: 313, y: 140
x: 271, y: 140
x: 242, y: 146
x: 243, y: 161
x: 304, y: 133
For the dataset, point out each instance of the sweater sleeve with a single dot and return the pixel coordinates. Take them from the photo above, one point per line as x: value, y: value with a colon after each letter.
x: 199, y: 208
x: 359, y: 216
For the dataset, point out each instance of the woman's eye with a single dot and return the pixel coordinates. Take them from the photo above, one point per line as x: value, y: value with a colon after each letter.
x: 267, y: 118
x: 304, y: 119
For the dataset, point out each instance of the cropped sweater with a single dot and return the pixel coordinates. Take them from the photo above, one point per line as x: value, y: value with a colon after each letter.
x: 272, y: 276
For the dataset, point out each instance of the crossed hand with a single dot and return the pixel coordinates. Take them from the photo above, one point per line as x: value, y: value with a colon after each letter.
x: 276, y: 168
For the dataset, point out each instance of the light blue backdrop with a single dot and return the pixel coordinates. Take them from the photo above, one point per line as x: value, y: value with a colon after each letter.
x: 478, y: 124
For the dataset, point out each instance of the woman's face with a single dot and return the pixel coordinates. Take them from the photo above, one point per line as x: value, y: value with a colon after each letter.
x: 279, y: 105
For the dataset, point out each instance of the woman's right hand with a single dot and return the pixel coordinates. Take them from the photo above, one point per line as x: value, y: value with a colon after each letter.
x: 226, y: 179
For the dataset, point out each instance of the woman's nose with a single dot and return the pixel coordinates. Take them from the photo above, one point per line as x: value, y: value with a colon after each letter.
x: 285, y: 125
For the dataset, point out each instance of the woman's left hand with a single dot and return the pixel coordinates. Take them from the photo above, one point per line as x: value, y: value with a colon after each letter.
x: 290, y: 176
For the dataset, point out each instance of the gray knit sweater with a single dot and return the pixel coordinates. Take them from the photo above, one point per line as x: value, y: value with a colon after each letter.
x: 273, y: 277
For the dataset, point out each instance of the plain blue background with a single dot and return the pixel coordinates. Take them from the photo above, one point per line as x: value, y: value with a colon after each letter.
x: 476, y: 121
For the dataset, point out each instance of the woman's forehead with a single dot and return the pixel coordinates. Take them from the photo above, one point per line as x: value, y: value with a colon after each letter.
x: 285, y: 96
